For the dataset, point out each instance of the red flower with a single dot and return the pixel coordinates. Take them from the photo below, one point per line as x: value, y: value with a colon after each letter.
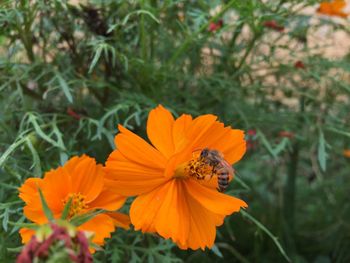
x: 251, y: 139
x: 73, y: 114
x: 75, y: 246
x: 299, y: 64
x: 272, y: 24
x: 286, y: 134
x: 215, y: 26
x: 251, y: 132
x: 27, y: 253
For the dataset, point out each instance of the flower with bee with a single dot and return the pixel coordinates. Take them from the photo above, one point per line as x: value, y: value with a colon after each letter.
x: 179, y: 179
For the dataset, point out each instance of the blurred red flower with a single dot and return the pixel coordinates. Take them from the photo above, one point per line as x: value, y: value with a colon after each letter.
x: 251, y: 139
x: 214, y: 26
x: 73, y: 114
x: 299, y: 64
x: 286, y: 134
x: 60, y: 239
x: 272, y: 24
x: 251, y: 132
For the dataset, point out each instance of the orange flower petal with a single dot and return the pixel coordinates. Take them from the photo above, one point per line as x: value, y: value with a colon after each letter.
x: 35, y: 214
x: 212, y: 200
x: 108, y: 200
x: 180, y: 128
x: 200, y: 129
x: 163, y: 210
x: 120, y: 220
x: 202, y: 226
x: 29, y: 190
x: 173, y: 214
x: 235, y: 150
x: 224, y: 139
x: 130, y: 178
x: 137, y: 150
x: 87, y: 177
x: 144, y: 208
x: 26, y: 234
x: 160, y: 130
x: 334, y: 8
x: 101, y: 225
x: 56, y: 186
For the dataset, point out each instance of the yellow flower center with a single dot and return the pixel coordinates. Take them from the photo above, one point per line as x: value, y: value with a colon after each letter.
x: 78, y: 204
x: 197, y: 168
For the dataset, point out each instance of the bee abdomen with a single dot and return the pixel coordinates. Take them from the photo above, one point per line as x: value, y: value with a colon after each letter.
x: 223, y: 180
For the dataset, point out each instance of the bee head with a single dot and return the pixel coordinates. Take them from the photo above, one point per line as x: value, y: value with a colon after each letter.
x: 204, y: 153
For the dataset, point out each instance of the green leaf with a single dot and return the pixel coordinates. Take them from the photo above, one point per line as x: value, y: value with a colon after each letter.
x: 36, y: 159
x: 26, y: 225
x: 281, y: 146
x: 138, y: 12
x: 321, y: 152
x: 266, y: 143
x: 66, y: 209
x: 5, y: 219
x: 48, y: 213
x: 64, y: 87
x: 216, y: 251
x: 81, y: 219
x: 96, y: 58
x: 10, y: 150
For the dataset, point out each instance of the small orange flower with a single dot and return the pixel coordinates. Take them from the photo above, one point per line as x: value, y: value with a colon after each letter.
x: 346, y: 153
x: 176, y: 191
x: 82, y: 181
x: 333, y: 8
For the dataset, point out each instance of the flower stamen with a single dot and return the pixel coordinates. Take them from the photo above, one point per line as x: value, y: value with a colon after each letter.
x: 198, y: 168
x: 78, y: 204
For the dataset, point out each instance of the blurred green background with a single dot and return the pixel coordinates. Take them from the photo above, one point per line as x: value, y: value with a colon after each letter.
x: 70, y: 71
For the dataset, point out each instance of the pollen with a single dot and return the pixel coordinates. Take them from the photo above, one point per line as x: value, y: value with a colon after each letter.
x: 196, y: 168
x: 78, y: 204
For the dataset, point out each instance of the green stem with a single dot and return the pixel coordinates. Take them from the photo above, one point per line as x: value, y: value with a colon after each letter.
x: 247, y: 52
x: 264, y: 229
x: 234, y: 252
x: 290, y: 187
x: 289, y: 199
x: 143, y: 40
x: 289, y: 192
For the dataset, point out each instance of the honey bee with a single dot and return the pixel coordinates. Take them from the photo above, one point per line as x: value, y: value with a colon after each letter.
x: 221, y: 167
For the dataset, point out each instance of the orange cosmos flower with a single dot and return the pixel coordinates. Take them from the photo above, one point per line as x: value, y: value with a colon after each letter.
x: 346, y: 153
x: 177, y: 194
x: 333, y: 8
x: 81, y: 180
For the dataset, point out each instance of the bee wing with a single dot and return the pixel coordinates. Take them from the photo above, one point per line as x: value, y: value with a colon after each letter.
x: 229, y: 168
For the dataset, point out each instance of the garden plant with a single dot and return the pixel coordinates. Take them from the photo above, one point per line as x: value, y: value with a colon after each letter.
x: 120, y: 120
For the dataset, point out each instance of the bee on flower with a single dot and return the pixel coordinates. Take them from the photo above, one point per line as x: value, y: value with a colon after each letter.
x: 179, y: 179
